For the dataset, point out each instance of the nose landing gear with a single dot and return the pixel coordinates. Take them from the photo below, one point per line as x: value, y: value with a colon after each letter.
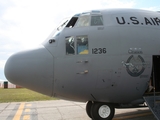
x: 100, y: 111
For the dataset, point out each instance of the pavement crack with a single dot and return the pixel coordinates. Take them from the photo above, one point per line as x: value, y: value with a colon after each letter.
x: 5, y: 108
x: 60, y: 113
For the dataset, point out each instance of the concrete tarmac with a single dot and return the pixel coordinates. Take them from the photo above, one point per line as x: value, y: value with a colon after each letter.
x: 62, y: 110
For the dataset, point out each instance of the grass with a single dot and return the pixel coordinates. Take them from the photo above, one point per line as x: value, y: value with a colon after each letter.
x: 21, y: 95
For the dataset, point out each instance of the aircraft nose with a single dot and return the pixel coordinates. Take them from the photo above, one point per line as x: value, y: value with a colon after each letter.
x: 31, y: 69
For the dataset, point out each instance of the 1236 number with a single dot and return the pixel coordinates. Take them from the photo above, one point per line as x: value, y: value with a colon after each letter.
x: 99, y: 51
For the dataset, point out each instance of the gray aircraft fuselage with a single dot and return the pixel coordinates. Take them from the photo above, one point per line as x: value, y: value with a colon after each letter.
x: 107, y: 59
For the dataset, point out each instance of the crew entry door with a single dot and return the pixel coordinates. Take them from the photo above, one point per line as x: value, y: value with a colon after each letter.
x: 83, y: 63
x: 156, y: 72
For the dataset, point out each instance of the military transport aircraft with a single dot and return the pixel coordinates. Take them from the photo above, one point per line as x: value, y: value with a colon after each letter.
x: 107, y: 58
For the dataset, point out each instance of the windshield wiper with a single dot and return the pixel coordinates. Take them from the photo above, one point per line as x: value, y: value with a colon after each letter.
x: 62, y: 25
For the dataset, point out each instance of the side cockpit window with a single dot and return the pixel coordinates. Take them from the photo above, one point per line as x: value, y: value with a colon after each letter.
x: 77, y: 45
x: 82, y: 44
x: 70, y: 49
x: 96, y: 20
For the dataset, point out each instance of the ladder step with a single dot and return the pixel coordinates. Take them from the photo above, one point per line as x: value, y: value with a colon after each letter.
x: 153, y: 103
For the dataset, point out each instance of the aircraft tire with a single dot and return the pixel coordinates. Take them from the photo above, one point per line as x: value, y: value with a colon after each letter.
x: 88, y: 108
x: 102, y: 111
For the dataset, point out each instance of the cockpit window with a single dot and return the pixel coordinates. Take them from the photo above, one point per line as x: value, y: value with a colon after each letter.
x: 70, y: 49
x: 82, y: 44
x: 83, y: 21
x: 72, y: 22
x: 96, y: 20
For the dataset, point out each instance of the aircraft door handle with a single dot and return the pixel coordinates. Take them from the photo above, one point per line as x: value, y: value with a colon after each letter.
x: 84, y: 72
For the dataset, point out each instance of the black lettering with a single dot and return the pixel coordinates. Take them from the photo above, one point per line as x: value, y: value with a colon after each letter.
x: 134, y: 20
x: 99, y: 51
x: 153, y: 21
x: 121, y: 22
x: 104, y: 50
x: 147, y: 21
x: 157, y: 20
x: 95, y: 51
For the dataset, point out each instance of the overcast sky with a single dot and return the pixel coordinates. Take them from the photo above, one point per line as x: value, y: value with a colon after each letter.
x: 27, y: 23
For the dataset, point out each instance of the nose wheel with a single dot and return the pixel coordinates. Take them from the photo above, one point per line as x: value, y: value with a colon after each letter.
x: 88, y: 108
x: 100, y: 111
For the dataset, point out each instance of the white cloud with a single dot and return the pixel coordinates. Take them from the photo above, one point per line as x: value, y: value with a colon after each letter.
x: 2, y: 64
x: 118, y: 4
x: 2, y: 80
x: 150, y: 8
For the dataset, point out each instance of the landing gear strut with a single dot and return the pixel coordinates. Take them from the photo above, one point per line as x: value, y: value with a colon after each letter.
x: 100, y: 111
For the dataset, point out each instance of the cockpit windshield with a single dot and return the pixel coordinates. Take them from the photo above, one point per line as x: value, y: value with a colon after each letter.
x: 83, y: 21
x: 93, y: 18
